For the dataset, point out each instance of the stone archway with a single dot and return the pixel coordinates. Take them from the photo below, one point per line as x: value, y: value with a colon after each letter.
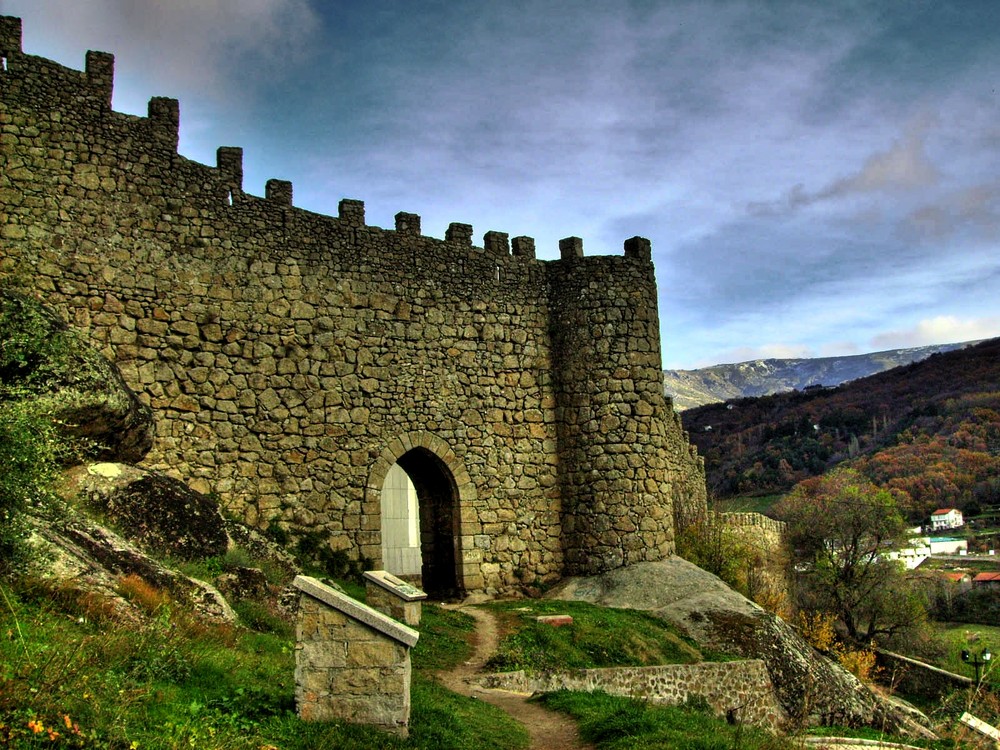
x: 445, y: 498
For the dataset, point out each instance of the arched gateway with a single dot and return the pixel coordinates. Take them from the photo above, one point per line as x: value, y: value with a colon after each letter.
x: 445, y: 495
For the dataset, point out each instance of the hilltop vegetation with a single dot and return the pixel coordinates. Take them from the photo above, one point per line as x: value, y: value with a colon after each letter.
x: 928, y: 431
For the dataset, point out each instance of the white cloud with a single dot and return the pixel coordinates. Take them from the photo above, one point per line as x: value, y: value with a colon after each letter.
x: 178, y: 47
x: 943, y: 329
x: 904, y: 166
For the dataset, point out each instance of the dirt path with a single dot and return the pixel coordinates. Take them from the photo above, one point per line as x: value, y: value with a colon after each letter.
x: 549, y: 730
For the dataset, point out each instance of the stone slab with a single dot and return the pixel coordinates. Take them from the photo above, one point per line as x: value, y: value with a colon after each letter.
x: 980, y: 726
x: 555, y: 621
x: 356, y: 610
x: 405, y: 591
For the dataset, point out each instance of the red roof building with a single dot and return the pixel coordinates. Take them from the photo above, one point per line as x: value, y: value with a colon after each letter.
x: 986, y: 579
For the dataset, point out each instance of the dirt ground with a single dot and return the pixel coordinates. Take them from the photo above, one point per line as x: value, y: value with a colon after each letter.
x: 549, y: 730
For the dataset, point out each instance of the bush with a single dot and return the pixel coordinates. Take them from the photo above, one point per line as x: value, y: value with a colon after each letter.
x: 29, y: 454
x: 731, y: 554
x: 32, y: 346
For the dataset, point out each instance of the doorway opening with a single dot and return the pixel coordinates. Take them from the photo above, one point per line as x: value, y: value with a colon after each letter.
x: 420, y: 522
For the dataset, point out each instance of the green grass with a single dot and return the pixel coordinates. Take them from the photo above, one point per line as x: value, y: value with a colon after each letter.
x: 598, y: 637
x: 444, y: 639
x: 613, y: 723
x: 68, y: 666
x: 955, y: 637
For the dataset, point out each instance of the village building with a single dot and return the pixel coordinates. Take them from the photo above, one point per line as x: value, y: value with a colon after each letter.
x: 946, y: 518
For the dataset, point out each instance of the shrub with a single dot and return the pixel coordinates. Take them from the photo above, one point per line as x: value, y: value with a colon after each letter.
x: 29, y: 454
x: 33, y: 346
x: 819, y: 629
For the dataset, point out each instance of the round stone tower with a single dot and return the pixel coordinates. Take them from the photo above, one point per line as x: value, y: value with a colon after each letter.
x: 614, y: 461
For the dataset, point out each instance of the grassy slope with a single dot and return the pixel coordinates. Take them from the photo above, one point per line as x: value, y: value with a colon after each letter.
x: 71, y: 676
x: 598, y: 637
x: 956, y: 638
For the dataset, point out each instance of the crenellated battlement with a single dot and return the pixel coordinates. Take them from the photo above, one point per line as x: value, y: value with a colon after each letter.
x: 161, y: 128
x: 292, y: 358
x: 10, y: 37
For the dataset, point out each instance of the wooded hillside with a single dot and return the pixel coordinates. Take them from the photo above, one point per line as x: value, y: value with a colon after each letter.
x: 930, y: 430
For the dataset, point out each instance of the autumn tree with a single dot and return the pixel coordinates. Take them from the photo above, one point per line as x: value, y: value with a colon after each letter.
x: 840, y: 527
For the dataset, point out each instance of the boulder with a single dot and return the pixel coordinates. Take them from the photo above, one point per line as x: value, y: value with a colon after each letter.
x: 262, y: 549
x: 70, y: 381
x: 88, y: 556
x: 240, y: 584
x: 161, y: 514
x: 812, y: 689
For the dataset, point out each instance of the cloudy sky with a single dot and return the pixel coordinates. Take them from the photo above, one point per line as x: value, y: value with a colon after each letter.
x: 817, y: 178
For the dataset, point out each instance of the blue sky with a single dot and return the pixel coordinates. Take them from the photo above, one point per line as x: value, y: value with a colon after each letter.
x: 817, y: 178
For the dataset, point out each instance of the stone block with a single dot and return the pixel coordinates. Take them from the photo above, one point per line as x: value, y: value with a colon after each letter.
x: 556, y: 621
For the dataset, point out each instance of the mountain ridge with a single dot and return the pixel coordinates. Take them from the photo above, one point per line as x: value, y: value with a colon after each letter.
x: 765, y: 377
x: 930, y: 429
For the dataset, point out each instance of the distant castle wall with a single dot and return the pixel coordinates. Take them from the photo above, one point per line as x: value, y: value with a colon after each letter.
x: 291, y: 358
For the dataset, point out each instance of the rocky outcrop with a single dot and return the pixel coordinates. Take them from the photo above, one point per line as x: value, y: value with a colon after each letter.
x: 79, y: 389
x: 58, y: 377
x: 88, y: 556
x: 161, y: 514
x: 812, y: 689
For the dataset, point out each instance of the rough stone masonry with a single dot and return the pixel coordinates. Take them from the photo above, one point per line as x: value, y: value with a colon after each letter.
x: 292, y: 358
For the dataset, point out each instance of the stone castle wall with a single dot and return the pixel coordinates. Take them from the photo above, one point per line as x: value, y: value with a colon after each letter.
x: 291, y: 358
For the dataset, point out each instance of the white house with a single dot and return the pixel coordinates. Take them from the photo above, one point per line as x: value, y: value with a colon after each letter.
x: 948, y: 546
x: 946, y: 518
x: 922, y: 547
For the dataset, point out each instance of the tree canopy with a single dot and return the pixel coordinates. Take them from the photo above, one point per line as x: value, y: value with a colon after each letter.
x: 840, y: 526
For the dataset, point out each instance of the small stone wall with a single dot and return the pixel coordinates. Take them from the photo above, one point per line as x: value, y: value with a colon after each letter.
x: 754, y: 520
x: 351, y: 662
x: 740, y: 691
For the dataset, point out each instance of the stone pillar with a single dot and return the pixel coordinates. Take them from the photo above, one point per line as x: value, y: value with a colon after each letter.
x: 164, y: 115
x: 408, y: 223
x: 352, y: 212
x: 460, y: 234
x: 497, y: 243
x: 394, y: 596
x: 351, y: 662
x: 10, y: 36
x: 100, y: 70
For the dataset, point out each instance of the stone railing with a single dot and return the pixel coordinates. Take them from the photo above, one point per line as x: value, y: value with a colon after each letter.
x: 351, y: 662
